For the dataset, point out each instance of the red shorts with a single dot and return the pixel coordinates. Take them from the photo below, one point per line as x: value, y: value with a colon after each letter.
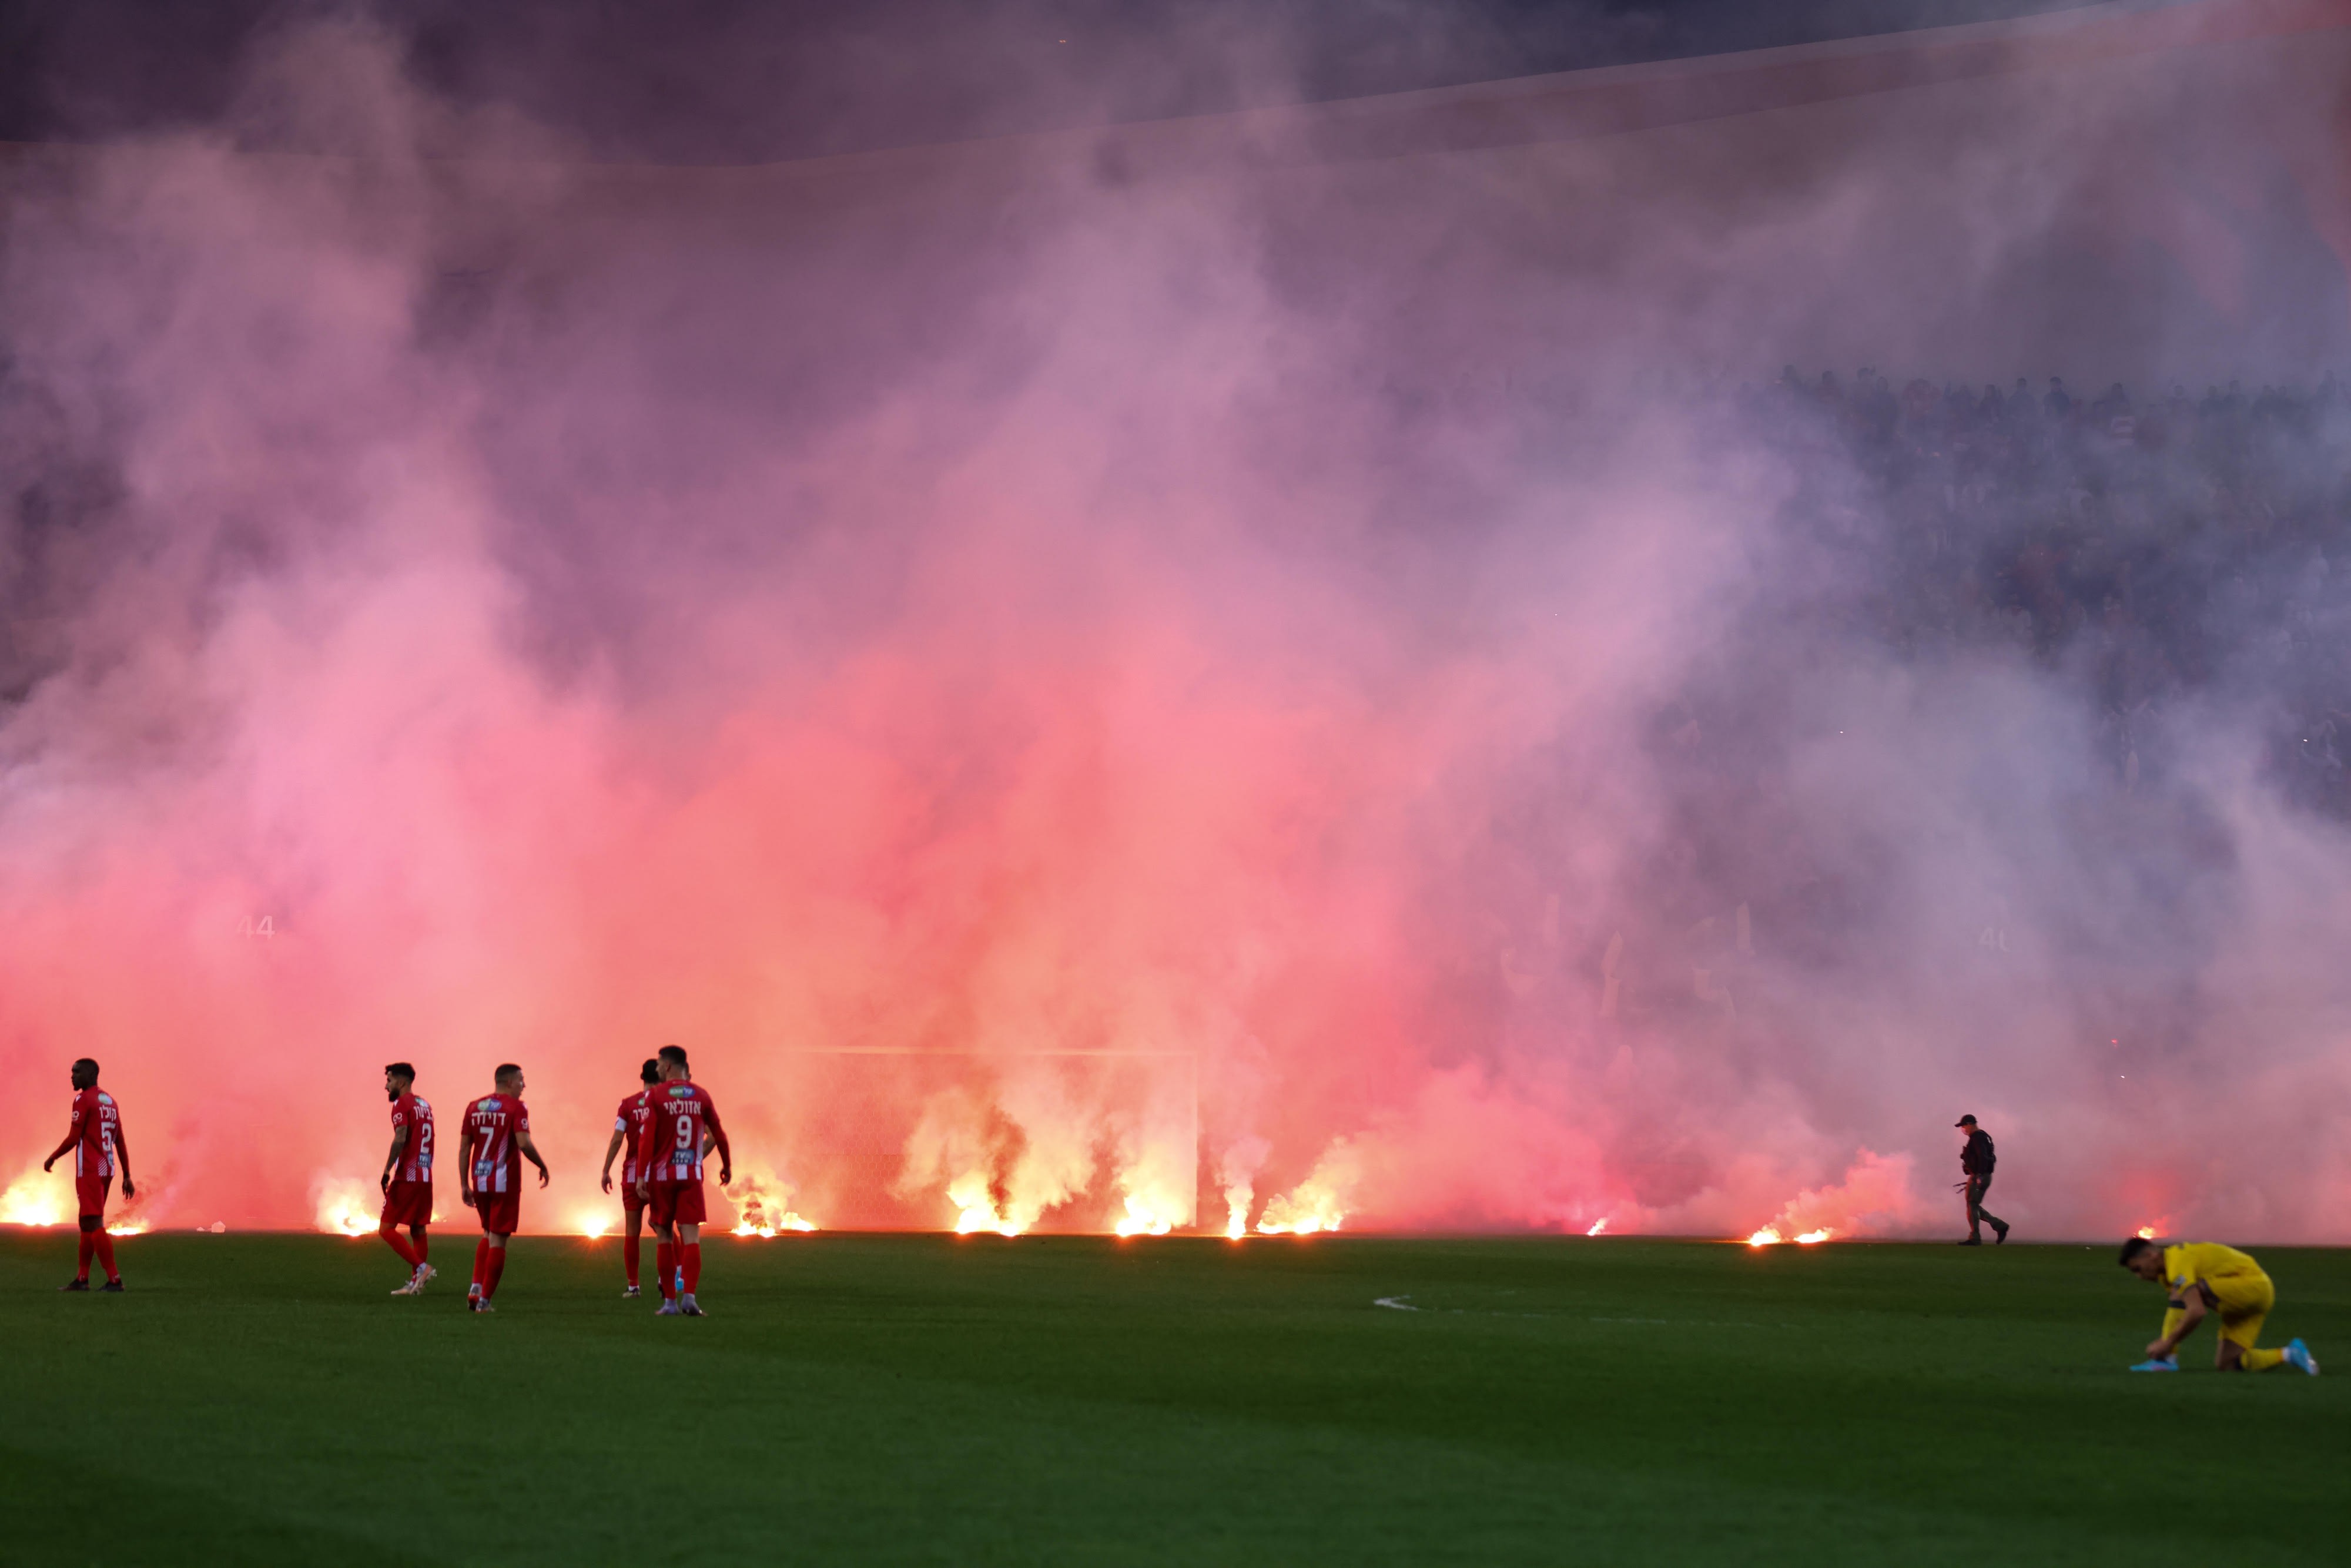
x: 501, y: 1212
x: 408, y: 1203
x: 92, y: 1191
x: 680, y: 1201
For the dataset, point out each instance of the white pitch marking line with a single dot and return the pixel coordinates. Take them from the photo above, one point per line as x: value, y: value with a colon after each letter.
x: 1404, y: 1304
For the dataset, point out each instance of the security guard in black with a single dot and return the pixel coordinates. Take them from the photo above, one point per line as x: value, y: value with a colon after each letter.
x: 1976, y: 1161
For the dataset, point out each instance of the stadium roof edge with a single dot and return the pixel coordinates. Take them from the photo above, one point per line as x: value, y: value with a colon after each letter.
x: 1508, y: 111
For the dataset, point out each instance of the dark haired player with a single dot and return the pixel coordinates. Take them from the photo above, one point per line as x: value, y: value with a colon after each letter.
x: 2200, y: 1277
x: 682, y: 1126
x: 95, y: 1136
x: 496, y: 1142
x: 407, y: 1179
x: 629, y: 1133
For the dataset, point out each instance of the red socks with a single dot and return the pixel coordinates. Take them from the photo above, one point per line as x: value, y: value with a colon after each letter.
x: 481, y: 1261
x: 407, y: 1254
x: 674, y: 1258
x: 629, y: 1254
x: 416, y: 1241
x: 498, y: 1267
x: 105, y: 1245
x: 88, y: 1245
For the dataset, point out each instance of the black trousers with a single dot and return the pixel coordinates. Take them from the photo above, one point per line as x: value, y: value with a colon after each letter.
x: 1978, y: 1215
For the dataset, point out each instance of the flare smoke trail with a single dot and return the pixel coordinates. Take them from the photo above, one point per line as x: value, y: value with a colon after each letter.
x: 1092, y: 676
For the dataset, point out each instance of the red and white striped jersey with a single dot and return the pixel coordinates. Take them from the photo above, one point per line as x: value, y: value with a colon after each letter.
x: 95, y: 1118
x: 491, y: 1124
x: 630, y: 1123
x: 417, y: 1155
x: 680, y: 1114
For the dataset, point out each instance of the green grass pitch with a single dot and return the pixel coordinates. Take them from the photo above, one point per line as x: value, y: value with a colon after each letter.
x: 1073, y: 1400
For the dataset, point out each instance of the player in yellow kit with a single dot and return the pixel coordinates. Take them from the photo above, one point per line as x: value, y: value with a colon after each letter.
x: 2200, y: 1277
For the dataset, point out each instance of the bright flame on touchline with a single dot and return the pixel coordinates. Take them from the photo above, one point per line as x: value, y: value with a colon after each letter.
x: 345, y: 1207
x: 1599, y: 1227
x: 594, y: 1226
x: 1770, y: 1237
x: 2147, y: 1233
x: 763, y: 1207
x: 127, y: 1228
x: 1308, y: 1210
x: 785, y: 1223
x: 1308, y: 1225
x: 976, y: 1209
x: 32, y: 1199
x: 1146, y: 1217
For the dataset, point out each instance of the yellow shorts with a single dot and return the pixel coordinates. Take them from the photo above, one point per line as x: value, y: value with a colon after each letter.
x: 2245, y: 1303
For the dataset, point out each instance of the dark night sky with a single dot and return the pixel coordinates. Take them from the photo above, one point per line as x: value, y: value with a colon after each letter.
x: 742, y: 80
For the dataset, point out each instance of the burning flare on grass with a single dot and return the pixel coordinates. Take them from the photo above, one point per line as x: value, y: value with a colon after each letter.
x: 1146, y: 1217
x: 1240, y: 1172
x: 1874, y: 1198
x: 976, y: 1206
x: 1599, y: 1227
x: 1309, y: 1210
x: 1770, y: 1237
x: 764, y: 1209
x: 32, y: 1198
x: 127, y: 1227
x: 593, y: 1224
x: 1318, y: 1203
x: 345, y: 1207
x: 2147, y: 1233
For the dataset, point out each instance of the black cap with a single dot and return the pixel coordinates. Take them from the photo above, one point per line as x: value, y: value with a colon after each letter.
x: 1965, y: 1122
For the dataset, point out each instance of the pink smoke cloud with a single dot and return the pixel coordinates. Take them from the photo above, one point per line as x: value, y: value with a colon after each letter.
x: 987, y: 666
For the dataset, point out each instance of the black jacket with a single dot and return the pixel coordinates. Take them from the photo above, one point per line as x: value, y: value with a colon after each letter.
x: 1976, y: 1158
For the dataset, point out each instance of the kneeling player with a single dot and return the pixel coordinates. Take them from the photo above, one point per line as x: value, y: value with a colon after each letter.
x: 2200, y: 1277
x: 669, y: 1175
x: 629, y: 1133
x: 407, y: 1179
x: 489, y: 1167
x: 95, y: 1136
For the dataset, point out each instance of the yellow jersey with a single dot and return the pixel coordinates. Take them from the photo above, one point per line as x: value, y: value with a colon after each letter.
x: 2193, y: 1262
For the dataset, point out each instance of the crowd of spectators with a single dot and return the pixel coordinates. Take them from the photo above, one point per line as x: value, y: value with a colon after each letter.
x: 2168, y: 568
x: 2151, y: 546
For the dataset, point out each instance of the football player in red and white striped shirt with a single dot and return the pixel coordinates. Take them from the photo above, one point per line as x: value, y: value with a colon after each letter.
x: 95, y: 1137
x: 683, y: 1125
x: 627, y: 1132
x: 490, y: 1169
x: 407, y: 1179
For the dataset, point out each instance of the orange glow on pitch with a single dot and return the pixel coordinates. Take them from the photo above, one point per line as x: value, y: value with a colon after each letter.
x: 32, y: 1198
